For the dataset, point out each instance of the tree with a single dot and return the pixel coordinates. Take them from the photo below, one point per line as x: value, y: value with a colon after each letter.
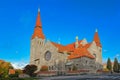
x: 30, y: 69
x: 4, y: 68
x: 119, y: 67
x: 109, y: 65
x: 116, y: 65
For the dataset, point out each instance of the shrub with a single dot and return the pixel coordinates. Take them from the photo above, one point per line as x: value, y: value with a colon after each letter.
x: 30, y: 69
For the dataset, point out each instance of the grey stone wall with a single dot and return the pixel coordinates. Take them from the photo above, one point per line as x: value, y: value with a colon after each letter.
x: 38, y: 49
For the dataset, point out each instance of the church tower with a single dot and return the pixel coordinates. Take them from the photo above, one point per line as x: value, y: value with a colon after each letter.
x: 37, y: 41
x: 99, y: 47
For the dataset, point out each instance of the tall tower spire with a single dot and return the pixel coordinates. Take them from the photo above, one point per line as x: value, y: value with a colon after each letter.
x: 38, y: 21
x: 96, y: 38
x: 38, y: 28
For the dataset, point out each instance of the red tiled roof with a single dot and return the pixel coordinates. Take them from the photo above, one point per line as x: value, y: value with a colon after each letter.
x: 38, y: 33
x: 11, y: 71
x: 68, y: 48
x: 80, y: 52
x: 38, y: 21
x: 60, y: 47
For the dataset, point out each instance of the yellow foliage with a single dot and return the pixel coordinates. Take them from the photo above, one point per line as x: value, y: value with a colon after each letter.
x: 19, y: 71
x: 4, y: 66
x: 105, y: 69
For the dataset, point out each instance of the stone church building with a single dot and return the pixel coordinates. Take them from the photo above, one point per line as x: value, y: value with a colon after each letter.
x: 80, y: 54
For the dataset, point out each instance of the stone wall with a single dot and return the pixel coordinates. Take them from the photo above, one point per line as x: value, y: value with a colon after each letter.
x: 39, y: 48
x: 96, y: 51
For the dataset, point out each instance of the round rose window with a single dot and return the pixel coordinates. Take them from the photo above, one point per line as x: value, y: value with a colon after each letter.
x: 48, y: 55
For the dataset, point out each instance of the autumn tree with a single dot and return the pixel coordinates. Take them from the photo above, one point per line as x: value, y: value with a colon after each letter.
x: 4, y: 68
x: 109, y: 64
x: 30, y: 69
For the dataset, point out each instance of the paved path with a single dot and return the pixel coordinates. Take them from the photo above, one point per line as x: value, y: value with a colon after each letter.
x: 84, y: 77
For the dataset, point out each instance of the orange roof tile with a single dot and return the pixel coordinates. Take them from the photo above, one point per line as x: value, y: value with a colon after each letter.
x: 80, y: 52
x: 38, y: 21
x: 38, y: 29
x: 38, y: 33
x: 11, y: 71
x: 60, y: 47
x: 69, y: 48
x: 97, y: 39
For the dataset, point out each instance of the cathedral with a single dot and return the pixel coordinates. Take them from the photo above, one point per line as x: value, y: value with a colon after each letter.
x: 80, y: 55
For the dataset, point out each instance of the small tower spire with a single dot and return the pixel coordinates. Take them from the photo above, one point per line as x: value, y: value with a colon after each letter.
x: 96, y: 38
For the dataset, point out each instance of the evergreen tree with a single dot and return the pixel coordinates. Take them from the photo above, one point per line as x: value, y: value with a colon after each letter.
x: 119, y: 67
x: 116, y: 65
x: 109, y: 65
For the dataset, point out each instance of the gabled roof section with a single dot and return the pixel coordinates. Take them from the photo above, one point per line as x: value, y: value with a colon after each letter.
x: 70, y: 48
x: 60, y: 47
x: 80, y: 52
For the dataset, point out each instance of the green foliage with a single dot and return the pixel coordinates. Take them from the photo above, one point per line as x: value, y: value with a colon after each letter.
x: 18, y: 71
x: 4, y: 68
x: 116, y: 65
x: 30, y: 69
x: 109, y: 64
x: 13, y: 75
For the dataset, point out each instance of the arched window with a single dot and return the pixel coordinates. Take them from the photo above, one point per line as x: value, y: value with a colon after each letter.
x: 49, y: 68
x: 94, y: 55
x: 52, y: 67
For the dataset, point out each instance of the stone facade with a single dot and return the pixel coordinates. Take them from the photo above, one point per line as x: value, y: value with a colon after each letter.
x: 39, y: 48
x: 57, y: 57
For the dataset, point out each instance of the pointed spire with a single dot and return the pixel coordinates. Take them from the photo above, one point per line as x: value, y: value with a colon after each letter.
x: 96, y: 30
x: 76, y: 37
x: 38, y: 9
x: 96, y: 38
x: 38, y: 28
x: 38, y: 21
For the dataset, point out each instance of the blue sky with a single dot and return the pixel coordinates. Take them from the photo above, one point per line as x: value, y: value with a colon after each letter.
x: 61, y: 20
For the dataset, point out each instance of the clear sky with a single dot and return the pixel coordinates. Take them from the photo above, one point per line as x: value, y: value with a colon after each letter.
x: 62, y: 20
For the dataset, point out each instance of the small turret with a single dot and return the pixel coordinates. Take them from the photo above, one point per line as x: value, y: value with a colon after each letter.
x: 97, y: 39
x: 76, y: 43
